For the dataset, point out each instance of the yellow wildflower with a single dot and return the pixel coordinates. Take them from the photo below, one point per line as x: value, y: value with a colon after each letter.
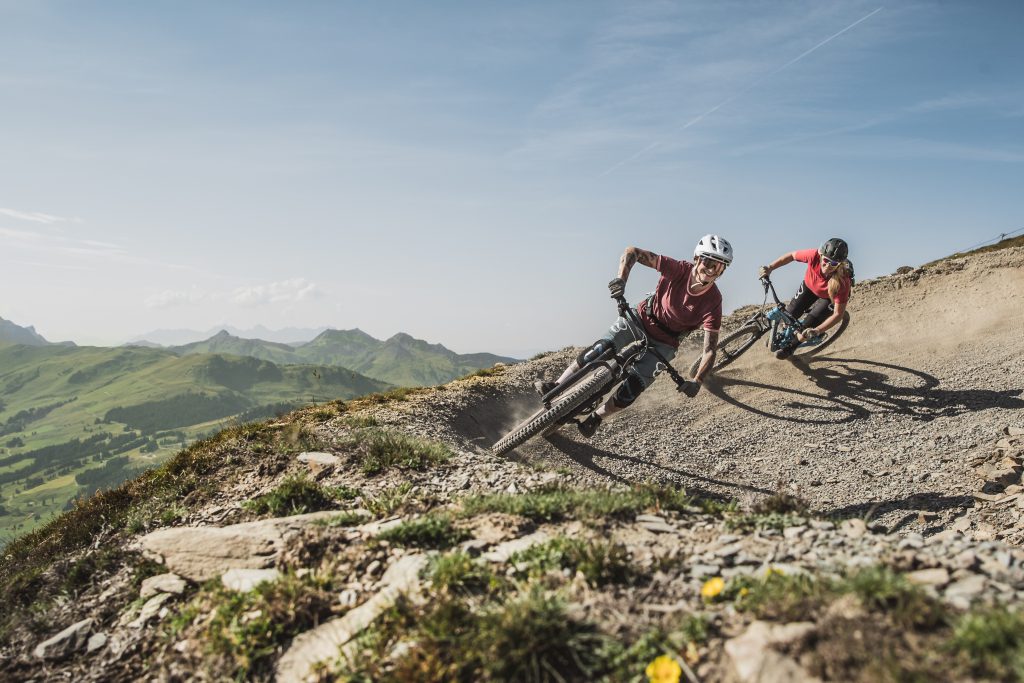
x: 712, y: 587
x: 664, y: 669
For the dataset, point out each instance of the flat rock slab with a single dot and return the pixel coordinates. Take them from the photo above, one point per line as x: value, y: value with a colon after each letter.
x: 324, y: 643
x: 203, y: 553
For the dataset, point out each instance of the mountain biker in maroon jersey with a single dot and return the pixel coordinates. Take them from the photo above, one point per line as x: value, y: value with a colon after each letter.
x: 824, y: 292
x: 685, y: 298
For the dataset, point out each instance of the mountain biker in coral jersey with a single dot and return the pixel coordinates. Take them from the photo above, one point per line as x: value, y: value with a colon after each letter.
x: 686, y: 298
x: 824, y: 292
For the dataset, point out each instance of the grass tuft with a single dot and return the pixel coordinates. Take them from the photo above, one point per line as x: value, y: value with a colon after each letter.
x: 378, y: 450
x: 600, y: 563
x: 296, y: 495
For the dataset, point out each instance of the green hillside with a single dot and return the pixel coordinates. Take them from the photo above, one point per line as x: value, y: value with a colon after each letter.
x: 401, y: 360
x: 75, y: 419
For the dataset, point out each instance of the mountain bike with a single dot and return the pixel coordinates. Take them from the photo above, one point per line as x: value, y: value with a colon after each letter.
x: 583, y: 391
x: 783, y: 328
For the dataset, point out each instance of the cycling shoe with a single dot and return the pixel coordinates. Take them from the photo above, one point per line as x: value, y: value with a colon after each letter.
x: 590, y: 425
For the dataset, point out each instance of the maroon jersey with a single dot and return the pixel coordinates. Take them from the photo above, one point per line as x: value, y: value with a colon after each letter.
x: 675, y: 307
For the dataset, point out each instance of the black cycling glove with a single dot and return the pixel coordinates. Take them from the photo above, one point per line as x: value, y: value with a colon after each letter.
x: 617, y: 287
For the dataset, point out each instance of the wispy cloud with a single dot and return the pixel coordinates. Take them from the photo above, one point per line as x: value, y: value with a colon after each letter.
x: 285, y: 291
x: 169, y: 298
x: 693, y: 121
x: 37, y: 217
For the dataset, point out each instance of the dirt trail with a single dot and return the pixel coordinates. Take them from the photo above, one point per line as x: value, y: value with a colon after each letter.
x: 882, y: 422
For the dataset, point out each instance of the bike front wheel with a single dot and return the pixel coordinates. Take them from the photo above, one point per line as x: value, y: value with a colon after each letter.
x: 732, y: 347
x: 584, y: 389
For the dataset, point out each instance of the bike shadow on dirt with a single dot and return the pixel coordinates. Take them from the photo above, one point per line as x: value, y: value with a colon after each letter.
x: 853, y: 389
x: 931, y: 501
x: 584, y: 455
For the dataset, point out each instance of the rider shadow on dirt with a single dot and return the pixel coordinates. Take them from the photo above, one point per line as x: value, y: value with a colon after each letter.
x: 853, y: 389
x: 585, y: 454
x: 931, y: 500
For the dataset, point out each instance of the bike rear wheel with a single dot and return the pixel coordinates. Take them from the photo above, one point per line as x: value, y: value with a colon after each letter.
x: 833, y: 334
x: 732, y: 347
x: 562, y: 406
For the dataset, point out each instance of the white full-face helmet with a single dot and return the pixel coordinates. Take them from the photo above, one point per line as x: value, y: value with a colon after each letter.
x: 715, y: 248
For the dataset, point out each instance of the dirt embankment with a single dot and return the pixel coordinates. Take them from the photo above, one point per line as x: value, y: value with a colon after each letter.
x: 884, y: 422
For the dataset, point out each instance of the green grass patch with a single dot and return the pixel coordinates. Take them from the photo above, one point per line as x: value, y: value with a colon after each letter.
x: 344, y: 518
x: 378, y: 450
x: 385, y: 397
x: 601, y: 563
x: 457, y: 572
x: 296, y: 495
x: 526, y: 638
x: 433, y: 530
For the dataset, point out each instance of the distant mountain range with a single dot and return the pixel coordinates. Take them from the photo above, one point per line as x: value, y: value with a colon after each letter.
x: 400, y: 360
x: 178, y: 337
x: 12, y: 333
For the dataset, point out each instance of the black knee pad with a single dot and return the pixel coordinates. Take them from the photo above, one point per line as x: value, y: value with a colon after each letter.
x: 628, y: 391
x: 593, y: 351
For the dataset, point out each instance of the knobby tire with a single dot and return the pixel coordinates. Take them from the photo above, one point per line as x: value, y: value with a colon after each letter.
x: 732, y: 347
x: 576, y: 395
x: 833, y: 334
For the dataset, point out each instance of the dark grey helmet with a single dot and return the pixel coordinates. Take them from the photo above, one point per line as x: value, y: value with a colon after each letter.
x: 835, y: 249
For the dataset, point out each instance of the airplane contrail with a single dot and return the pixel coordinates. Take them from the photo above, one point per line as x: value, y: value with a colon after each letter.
x: 742, y: 92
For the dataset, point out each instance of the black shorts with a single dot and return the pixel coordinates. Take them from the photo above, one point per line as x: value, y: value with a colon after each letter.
x: 806, y: 301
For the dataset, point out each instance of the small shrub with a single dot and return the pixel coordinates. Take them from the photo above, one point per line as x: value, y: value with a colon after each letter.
x: 295, y: 495
x: 991, y: 641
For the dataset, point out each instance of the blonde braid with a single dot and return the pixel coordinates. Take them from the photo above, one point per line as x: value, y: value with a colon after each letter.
x: 836, y: 281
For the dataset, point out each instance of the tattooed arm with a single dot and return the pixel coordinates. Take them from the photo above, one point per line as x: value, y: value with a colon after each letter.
x: 633, y: 255
x: 707, y: 361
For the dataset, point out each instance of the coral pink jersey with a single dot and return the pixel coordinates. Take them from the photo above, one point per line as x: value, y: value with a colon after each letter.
x: 815, y: 281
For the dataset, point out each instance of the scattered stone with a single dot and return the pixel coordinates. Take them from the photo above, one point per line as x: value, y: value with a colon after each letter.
x: 854, y: 528
x: 64, y: 643
x: 755, y: 660
x: 150, y: 610
x: 320, y: 464
x: 244, y: 580
x: 937, y: 577
x: 324, y: 642
x: 163, y: 583
x: 96, y: 642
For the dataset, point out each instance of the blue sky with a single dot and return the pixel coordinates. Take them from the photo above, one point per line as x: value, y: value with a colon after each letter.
x: 470, y: 172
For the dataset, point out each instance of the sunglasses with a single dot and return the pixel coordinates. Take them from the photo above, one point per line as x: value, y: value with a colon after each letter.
x: 713, y: 265
x: 829, y: 261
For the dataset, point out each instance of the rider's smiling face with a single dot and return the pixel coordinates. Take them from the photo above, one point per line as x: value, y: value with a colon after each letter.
x: 828, y: 266
x: 709, y: 269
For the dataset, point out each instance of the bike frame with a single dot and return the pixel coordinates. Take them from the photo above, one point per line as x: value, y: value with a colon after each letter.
x: 618, y: 362
x: 776, y: 318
